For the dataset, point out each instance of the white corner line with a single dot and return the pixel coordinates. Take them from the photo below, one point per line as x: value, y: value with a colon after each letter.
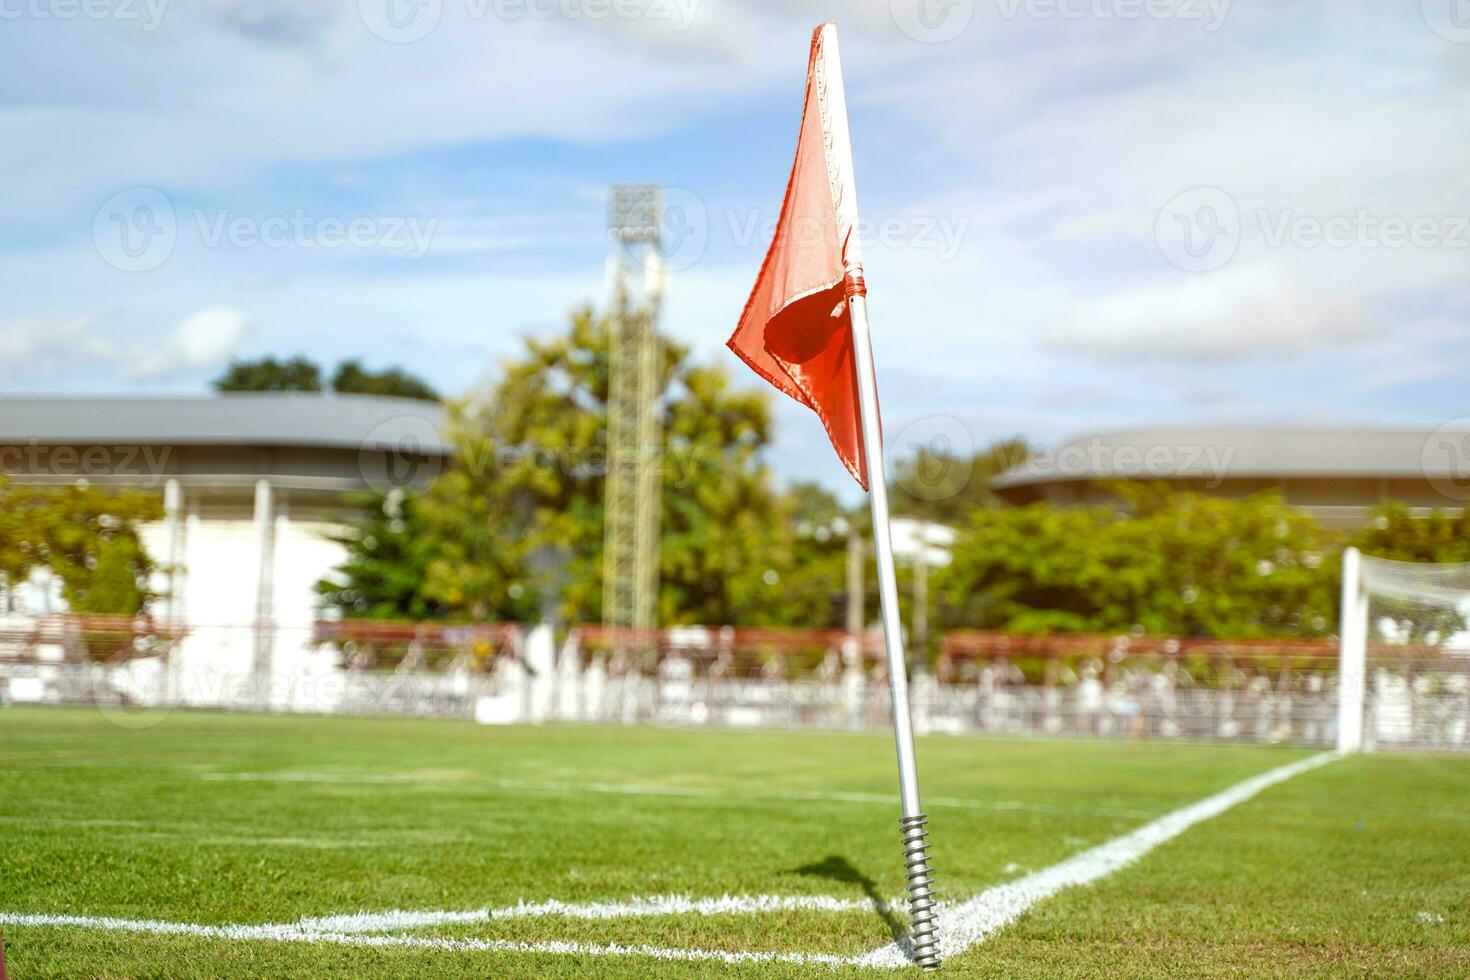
x: 971, y: 922
x: 296, y: 934
x: 670, y: 905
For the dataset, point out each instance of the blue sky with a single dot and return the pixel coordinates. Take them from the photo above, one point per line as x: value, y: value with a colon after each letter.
x: 1085, y: 213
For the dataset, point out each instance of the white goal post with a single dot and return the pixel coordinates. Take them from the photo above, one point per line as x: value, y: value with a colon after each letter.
x: 1403, y: 655
x: 1352, y: 662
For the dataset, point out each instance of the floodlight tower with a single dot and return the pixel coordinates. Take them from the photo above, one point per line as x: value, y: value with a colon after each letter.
x: 634, y: 429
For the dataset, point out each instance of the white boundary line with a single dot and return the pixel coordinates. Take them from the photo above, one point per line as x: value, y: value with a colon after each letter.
x: 960, y: 927
x: 633, y: 908
x: 297, y: 934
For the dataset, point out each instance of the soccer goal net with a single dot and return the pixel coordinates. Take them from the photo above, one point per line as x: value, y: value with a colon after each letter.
x: 1405, y: 670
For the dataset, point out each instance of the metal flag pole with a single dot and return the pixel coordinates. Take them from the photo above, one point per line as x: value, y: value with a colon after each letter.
x: 915, y: 845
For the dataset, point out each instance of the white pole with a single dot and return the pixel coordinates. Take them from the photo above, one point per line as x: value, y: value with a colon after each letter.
x: 173, y: 507
x: 264, y: 587
x: 1352, y: 640
x: 921, y: 903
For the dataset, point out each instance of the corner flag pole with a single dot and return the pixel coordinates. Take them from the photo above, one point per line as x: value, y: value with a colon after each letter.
x: 915, y: 845
x: 832, y: 102
x: 790, y: 334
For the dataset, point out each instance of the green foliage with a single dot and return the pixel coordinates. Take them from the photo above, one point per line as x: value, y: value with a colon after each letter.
x: 300, y: 374
x: 114, y: 583
x: 813, y: 583
x: 352, y: 378
x: 88, y: 537
x: 387, y: 560
x: 1174, y: 562
x: 935, y: 484
x: 269, y: 374
x: 516, y: 521
x: 1395, y: 532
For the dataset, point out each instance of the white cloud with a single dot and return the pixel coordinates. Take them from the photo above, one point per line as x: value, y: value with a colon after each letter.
x: 1232, y: 315
x: 49, y: 344
x: 201, y: 342
x: 35, y: 348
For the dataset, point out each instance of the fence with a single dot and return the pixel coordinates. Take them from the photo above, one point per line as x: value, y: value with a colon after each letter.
x: 1111, y: 686
x: 132, y: 666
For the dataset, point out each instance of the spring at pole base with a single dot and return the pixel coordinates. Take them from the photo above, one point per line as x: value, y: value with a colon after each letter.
x: 921, y: 895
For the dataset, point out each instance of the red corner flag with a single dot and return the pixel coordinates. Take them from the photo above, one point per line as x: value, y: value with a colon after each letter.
x: 796, y: 330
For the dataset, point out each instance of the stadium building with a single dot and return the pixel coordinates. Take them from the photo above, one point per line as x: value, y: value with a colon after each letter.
x: 1336, y: 475
x: 254, y: 485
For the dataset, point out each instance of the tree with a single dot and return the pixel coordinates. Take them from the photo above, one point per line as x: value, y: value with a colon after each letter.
x: 269, y: 374
x: 300, y: 374
x: 352, y: 378
x: 935, y: 484
x: 1395, y: 532
x: 387, y: 562
x: 1168, y: 562
x: 514, y: 527
x: 86, y: 536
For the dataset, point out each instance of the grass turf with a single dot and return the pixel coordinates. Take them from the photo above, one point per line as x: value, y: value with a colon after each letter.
x: 1363, y: 866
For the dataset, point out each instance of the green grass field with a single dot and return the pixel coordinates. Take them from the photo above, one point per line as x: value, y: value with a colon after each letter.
x: 1360, y: 867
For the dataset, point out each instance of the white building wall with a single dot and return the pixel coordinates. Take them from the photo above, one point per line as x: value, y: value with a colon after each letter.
x: 219, y: 590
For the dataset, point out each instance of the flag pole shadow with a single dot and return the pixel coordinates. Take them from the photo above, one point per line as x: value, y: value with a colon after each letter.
x: 834, y: 867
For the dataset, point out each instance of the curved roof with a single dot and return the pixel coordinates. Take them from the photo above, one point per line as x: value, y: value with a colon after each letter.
x: 1177, y: 453
x: 296, y: 419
